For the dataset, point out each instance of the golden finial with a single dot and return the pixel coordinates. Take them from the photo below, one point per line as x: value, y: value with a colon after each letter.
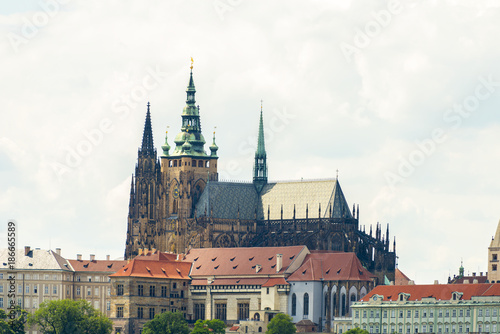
x: 214, y: 129
x: 167, y: 129
x: 192, y: 61
x: 261, y: 105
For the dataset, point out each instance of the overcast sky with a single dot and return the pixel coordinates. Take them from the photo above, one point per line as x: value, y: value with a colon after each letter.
x: 402, y: 97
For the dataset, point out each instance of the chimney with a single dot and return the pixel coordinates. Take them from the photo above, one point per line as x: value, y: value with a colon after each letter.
x: 79, y: 257
x: 178, y: 257
x: 481, y: 273
x: 473, y: 274
x: 279, y: 262
x: 58, y: 251
x: 139, y: 252
x: 26, y: 250
x: 257, y: 268
x: 475, y: 281
x: 107, y: 257
x: 436, y: 282
x: 466, y: 281
x: 92, y: 257
x: 412, y: 282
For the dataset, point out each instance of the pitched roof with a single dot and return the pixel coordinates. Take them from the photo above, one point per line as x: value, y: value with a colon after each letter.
x: 460, y: 280
x: 304, y: 195
x: 97, y: 265
x: 224, y: 200
x: 36, y: 259
x: 400, y: 278
x: 331, y: 266
x: 240, y: 261
x: 155, y: 266
x: 437, y: 291
x: 495, y: 242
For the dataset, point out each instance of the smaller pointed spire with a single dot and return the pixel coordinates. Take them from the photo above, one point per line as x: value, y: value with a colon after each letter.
x: 260, y: 164
x: 147, y: 147
x: 370, y: 230
x: 394, y: 245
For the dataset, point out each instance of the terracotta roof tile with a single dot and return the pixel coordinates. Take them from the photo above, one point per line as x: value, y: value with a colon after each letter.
x: 275, y: 281
x: 400, y: 278
x: 331, y: 266
x: 240, y: 261
x: 438, y: 291
x: 155, y: 266
x: 97, y: 265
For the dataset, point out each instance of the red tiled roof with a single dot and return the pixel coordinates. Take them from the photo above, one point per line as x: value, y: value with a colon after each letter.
x: 331, y: 266
x: 97, y: 265
x: 438, y: 291
x: 234, y: 328
x: 141, y: 266
x: 400, y: 278
x: 156, y: 256
x: 275, y: 281
x: 240, y: 261
x: 480, y: 279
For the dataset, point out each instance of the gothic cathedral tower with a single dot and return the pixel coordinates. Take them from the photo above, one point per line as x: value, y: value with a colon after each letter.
x: 145, y: 199
x: 185, y: 172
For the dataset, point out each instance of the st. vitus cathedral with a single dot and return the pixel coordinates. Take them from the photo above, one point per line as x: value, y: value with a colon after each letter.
x: 178, y: 203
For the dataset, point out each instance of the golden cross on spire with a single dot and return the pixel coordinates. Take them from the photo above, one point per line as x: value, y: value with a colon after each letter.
x: 192, y: 61
x: 261, y: 104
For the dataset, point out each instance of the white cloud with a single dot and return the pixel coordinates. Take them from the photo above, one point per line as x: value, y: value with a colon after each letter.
x: 359, y: 117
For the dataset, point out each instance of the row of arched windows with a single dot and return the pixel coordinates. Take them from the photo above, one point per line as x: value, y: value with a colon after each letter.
x: 194, y: 163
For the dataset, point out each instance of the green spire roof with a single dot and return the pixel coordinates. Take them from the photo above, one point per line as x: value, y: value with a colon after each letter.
x: 261, y: 147
x: 260, y: 164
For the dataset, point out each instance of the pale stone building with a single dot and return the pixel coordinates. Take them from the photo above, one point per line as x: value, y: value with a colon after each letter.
x: 493, y: 257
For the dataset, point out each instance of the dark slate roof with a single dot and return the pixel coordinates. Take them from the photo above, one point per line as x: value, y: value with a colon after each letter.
x: 223, y: 199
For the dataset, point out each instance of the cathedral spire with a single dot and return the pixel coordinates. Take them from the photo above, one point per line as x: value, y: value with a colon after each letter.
x: 260, y: 165
x: 147, y: 148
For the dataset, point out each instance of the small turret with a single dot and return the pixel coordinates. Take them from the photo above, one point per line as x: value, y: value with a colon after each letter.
x: 166, y: 147
x: 213, y: 148
x: 260, y: 164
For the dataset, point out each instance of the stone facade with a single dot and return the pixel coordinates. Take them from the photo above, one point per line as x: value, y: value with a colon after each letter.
x: 178, y: 203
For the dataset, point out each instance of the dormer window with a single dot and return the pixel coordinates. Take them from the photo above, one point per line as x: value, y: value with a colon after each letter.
x: 456, y: 295
x: 403, y: 297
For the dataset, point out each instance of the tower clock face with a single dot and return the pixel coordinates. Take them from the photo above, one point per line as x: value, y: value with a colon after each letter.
x: 175, y: 192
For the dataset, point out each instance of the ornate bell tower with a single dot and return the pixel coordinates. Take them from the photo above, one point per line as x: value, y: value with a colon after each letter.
x: 188, y: 168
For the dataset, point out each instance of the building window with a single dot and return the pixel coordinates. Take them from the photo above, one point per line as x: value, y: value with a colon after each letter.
x: 78, y: 290
x: 109, y: 292
x: 119, y: 290
x: 480, y: 313
x: 243, y: 311
x: 89, y: 291
x: 494, y: 312
x: 440, y: 314
x: 495, y: 257
x: 494, y: 267
x: 487, y: 312
x: 140, y: 312
x: 393, y: 314
x: 371, y: 315
x: 96, y: 291
x: 294, y: 305
x: 152, y: 290
x: 96, y: 305
x: 46, y: 289
x: 267, y: 291
x: 140, y: 290
x: 400, y: 314
x: 385, y: 314
x: 163, y: 291
x: 306, y: 305
x: 431, y: 314
x: 108, y: 306
x: 199, y: 311
x: 174, y: 286
x: 424, y: 313
x: 221, y: 311
x: 119, y: 311
x: 461, y: 313
x: 467, y: 313
x: 1, y: 301
x: 54, y: 289
x: 27, y: 289
x: 356, y: 314
x: 408, y: 314
x: 453, y: 313
x: 447, y: 313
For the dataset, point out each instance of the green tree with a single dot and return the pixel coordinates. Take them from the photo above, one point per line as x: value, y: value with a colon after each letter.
x: 214, y: 326
x: 166, y: 323
x: 281, y: 324
x: 356, y: 330
x: 70, y: 317
x: 13, y: 326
